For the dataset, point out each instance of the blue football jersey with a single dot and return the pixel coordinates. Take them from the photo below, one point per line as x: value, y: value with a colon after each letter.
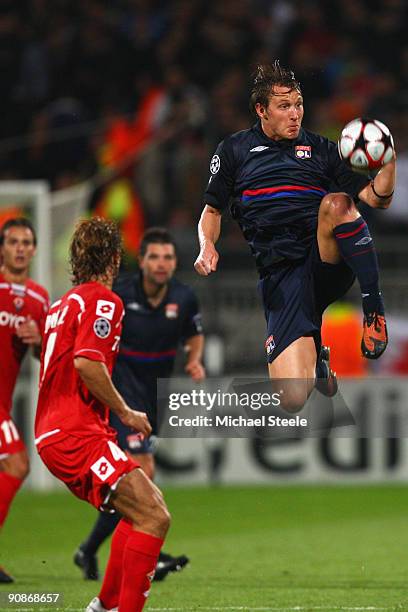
x: 151, y: 335
x: 274, y: 189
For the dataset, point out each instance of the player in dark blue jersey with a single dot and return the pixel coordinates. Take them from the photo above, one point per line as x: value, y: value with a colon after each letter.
x: 161, y: 314
x: 294, y: 199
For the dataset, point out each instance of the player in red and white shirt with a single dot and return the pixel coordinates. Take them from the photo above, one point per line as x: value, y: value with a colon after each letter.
x: 82, y: 334
x: 23, y: 308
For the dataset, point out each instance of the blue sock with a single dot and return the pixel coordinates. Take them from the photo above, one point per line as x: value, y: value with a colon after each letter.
x: 357, y: 249
x: 105, y: 525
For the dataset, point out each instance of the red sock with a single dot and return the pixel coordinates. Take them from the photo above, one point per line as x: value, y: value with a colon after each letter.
x: 9, y: 485
x: 109, y: 593
x: 139, y: 562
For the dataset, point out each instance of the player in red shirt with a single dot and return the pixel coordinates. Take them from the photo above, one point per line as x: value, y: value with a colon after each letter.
x: 73, y: 435
x: 23, y: 308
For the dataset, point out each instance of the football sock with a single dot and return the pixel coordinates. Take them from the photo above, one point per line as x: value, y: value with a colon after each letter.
x: 109, y: 593
x: 9, y: 485
x: 357, y: 248
x: 104, y: 526
x: 139, y: 564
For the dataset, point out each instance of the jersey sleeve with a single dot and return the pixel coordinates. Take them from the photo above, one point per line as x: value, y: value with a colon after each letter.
x: 98, y: 328
x: 192, y: 325
x: 342, y: 176
x: 220, y: 184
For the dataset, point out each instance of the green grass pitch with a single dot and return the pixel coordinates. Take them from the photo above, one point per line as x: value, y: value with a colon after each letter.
x: 251, y: 548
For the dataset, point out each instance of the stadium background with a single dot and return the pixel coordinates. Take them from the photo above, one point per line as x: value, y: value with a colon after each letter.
x: 116, y: 107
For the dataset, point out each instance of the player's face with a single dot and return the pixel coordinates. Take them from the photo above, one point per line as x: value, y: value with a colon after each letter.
x: 158, y: 263
x: 282, y: 118
x: 17, y: 250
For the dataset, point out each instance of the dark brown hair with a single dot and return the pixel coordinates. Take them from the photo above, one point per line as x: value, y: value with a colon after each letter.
x: 155, y: 235
x: 95, y: 250
x: 17, y: 222
x: 266, y: 76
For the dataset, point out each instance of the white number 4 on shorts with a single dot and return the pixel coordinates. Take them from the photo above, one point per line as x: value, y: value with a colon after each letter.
x: 117, y: 453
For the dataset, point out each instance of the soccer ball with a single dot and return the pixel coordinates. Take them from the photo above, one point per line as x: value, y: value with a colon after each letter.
x: 366, y: 144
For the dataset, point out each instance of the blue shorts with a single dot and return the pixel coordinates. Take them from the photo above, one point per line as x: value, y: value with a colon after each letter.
x: 130, y: 440
x: 295, y: 295
x: 137, y: 396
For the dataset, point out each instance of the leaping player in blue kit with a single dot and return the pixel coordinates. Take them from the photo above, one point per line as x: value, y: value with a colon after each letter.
x: 295, y: 201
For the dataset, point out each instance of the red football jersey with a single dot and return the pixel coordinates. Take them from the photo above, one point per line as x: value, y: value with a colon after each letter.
x: 85, y: 322
x: 16, y: 303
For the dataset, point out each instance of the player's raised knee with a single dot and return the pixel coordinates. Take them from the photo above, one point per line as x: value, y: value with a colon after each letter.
x: 337, y: 207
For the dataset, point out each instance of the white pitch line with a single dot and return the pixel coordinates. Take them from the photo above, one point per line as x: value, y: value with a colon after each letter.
x: 274, y: 609
x: 238, y: 609
x: 200, y: 608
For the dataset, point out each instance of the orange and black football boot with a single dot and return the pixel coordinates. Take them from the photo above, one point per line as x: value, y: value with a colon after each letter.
x: 375, y: 336
x: 326, y: 379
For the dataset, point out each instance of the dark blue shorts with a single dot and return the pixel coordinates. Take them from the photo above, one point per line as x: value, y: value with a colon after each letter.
x: 137, y: 396
x: 129, y: 439
x: 295, y: 294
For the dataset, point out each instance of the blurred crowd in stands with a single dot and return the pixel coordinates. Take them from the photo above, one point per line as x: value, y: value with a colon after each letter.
x: 137, y: 93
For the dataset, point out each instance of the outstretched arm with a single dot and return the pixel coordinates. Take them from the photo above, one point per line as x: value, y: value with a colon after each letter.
x: 209, y: 228
x: 378, y: 193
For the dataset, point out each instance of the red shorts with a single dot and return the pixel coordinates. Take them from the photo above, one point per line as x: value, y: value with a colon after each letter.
x: 10, y: 439
x: 90, y: 467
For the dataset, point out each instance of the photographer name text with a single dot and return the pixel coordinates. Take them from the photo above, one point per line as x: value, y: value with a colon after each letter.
x: 237, y: 421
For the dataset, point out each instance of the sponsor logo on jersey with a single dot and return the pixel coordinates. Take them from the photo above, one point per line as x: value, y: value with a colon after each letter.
x: 10, y: 319
x: 172, y: 311
x: 269, y: 345
x: 102, y: 327
x: 105, y: 309
x: 363, y: 241
x: 102, y: 468
x: 215, y: 164
x: 18, y: 303
x: 303, y: 152
x: 256, y: 149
